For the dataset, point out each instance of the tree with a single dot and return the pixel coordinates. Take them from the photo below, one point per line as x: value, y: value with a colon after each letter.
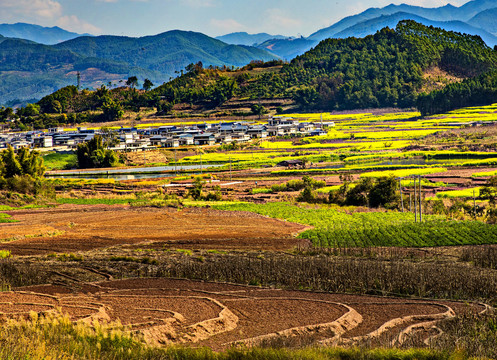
x: 132, y: 82
x: 25, y: 162
x: 93, y: 154
x: 196, y: 191
x: 147, y: 85
x: 384, y: 192
x: 359, y: 195
x: 111, y: 110
x: 489, y: 191
x: 258, y: 110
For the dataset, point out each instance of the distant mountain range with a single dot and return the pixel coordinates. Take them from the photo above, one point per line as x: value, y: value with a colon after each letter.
x: 36, y: 33
x: 243, y: 38
x: 35, y: 61
x: 31, y: 70
x: 477, y: 17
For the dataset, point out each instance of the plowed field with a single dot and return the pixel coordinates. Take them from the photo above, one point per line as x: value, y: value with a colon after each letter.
x: 71, y: 228
x: 169, y: 311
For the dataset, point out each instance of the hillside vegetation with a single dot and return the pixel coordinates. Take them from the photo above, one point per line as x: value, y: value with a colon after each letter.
x: 383, y: 70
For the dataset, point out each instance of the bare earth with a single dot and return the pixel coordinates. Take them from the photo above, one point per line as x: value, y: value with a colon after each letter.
x: 171, y: 311
x: 71, y: 228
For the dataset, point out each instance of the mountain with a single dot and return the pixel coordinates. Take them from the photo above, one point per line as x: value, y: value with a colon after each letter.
x: 476, y: 17
x: 486, y: 20
x: 411, y: 65
x: 287, y: 48
x: 444, y: 13
x: 31, y: 70
x: 243, y: 38
x: 39, y: 34
x: 369, y: 27
x: 165, y: 53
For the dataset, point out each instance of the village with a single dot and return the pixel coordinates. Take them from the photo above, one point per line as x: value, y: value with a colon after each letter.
x: 138, y: 139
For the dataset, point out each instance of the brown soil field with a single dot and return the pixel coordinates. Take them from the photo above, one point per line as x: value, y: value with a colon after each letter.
x: 70, y: 228
x: 172, y: 311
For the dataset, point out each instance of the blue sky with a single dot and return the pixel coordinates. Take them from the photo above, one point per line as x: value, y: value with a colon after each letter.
x: 212, y: 17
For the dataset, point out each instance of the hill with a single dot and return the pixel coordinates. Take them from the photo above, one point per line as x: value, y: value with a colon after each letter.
x: 36, y: 33
x: 243, y: 38
x: 388, y: 69
x: 31, y: 70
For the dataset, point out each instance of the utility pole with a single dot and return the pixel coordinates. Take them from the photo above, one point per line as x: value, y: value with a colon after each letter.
x: 474, y: 203
x: 231, y: 178
x: 401, y: 196
x: 420, y: 201
x: 415, y: 202
x: 78, y: 76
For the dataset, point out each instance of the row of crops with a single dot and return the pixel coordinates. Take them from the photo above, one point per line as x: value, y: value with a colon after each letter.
x: 335, y: 228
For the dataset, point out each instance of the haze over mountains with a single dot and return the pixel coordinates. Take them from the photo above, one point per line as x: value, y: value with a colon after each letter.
x: 35, y: 61
x: 478, y: 17
x: 36, y: 33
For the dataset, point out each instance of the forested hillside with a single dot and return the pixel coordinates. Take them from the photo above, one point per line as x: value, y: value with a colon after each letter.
x: 384, y: 70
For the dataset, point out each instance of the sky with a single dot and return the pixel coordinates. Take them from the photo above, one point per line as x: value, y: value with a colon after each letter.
x: 211, y: 17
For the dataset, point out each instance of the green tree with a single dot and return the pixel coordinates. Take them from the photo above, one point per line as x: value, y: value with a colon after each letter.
x: 132, y: 82
x: 147, y: 85
x: 196, y: 191
x: 258, y: 109
x: 10, y: 164
x: 489, y: 191
x: 93, y: 154
x: 384, y: 192
x: 25, y: 162
x: 111, y: 110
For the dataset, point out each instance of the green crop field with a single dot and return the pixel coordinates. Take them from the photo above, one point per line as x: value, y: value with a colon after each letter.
x: 335, y: 228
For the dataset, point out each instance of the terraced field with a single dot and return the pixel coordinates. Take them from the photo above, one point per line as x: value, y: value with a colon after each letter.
x: 169, y: 311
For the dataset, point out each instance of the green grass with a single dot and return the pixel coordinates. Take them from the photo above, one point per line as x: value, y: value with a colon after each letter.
x: 6, y: 218
x: 56, y: 161
x: 387, y: 170
x: 335, y: 228
x: 261, y: 191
